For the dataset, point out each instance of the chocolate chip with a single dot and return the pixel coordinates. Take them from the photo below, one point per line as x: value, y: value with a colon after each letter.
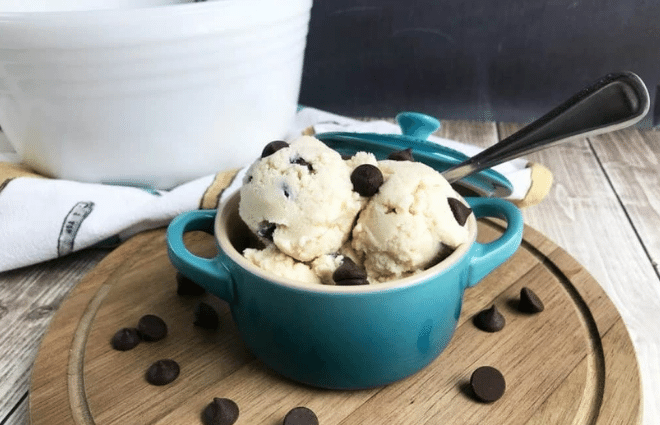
x: 490, y: 320
x: 349, y: 273
x: 460, y: 210
x: 300, y: 416
x: 205, y: 316
x: 125, y: 339
x: 366, y: 179
x: 273, y: 147
x: 152, y: 328
x: 402, y: 155
x: 487, y: 384
x: 221, y: 411
x: 530, y: 302
x: 302, y: 162
x: 266, y: 230
x: 185, y: 286
x: 163, y: 372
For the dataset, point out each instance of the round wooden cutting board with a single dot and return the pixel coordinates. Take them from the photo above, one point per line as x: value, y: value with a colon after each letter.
x: 573, y: 363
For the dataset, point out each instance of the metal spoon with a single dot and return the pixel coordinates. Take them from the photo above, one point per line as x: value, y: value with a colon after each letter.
x: 613, y: 102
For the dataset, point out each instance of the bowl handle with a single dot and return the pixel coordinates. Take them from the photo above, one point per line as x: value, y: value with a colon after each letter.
x: 484, y: 258
x: 417, y: 125
x: 211, y: 274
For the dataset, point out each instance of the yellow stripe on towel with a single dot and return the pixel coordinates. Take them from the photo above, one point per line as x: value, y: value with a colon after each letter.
x: 540, y: 187
x: 211, y: 197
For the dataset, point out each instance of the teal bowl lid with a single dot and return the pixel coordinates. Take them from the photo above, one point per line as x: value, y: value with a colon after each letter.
x: 416, y: 127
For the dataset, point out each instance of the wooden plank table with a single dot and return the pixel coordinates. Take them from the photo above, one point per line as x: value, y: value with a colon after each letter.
x: 604, y: 209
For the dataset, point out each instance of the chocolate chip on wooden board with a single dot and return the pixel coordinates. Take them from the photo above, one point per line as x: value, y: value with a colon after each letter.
x: 300, y: 416
x: 186, y: 287
x: 163, y: 372
x: 487, y: 384
x: 460, y: 210
x: 349, y: 273
x: 529, y: 301
x: 273, y: 147
x: 152, y: 328
x: 126, y: 339
x: 221, y: 411
x: 206, y: 316
x: 366, y: 179
x: 402, y: 155
x: 490, y: 320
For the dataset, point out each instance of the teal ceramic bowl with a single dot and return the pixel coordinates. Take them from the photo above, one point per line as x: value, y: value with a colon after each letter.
x: 336, y: 336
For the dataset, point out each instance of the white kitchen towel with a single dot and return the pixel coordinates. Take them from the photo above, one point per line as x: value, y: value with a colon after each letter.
x: 42, y: 219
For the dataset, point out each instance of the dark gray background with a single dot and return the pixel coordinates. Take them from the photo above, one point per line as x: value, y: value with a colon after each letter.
x: 505, y: 60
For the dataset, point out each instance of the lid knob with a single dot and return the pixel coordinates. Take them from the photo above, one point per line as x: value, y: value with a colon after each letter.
x: 417, y: 125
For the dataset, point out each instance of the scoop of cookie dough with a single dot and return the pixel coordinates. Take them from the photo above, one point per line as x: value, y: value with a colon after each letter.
x: 408, y: 225
x: 275, y: 261
x: 271, y: 259
x: 300, y: 198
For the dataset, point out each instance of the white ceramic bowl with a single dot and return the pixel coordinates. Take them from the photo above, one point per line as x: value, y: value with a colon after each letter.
x: 153, y: 95
x: 22, y: 6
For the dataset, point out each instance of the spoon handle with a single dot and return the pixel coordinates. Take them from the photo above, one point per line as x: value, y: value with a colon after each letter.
x: 613, y: 102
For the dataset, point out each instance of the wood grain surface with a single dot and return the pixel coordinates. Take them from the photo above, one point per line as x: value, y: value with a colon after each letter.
x: 572, y: 363
x: 604, y: 205
x: 604, y: 208
x: 28, y: 302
